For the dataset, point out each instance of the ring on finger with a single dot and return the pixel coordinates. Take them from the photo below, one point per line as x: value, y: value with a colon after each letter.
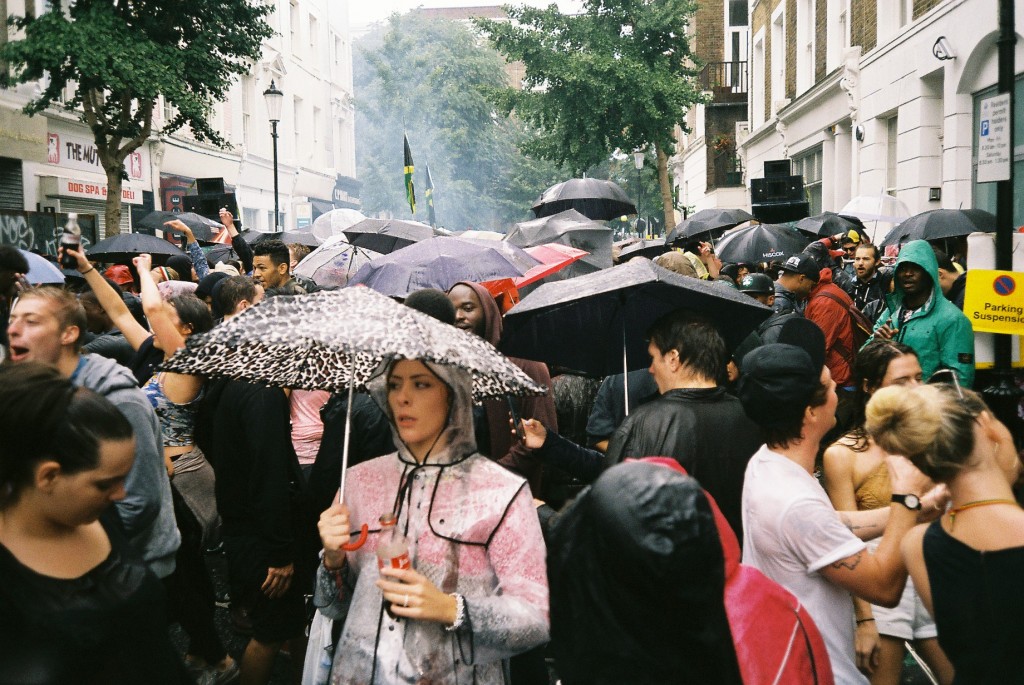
x: 405, y: 602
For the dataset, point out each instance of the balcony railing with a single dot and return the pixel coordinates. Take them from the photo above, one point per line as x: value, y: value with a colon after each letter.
x: 726, y: 81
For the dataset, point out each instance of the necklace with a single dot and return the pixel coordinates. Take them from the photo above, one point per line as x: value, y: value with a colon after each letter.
x: 977, y: 503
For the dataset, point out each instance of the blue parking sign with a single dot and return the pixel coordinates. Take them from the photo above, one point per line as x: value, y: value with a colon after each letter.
x: 984, y: 127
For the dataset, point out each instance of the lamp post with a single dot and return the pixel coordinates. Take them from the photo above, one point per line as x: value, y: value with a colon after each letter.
x: 638, y: 162
x: 274, y: 99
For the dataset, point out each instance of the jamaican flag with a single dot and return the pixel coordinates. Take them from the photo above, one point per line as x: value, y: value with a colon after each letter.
x: 410, y: 190
x: 429, y: 193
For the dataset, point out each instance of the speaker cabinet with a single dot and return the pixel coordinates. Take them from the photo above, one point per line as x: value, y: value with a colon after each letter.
x: 780, y: 212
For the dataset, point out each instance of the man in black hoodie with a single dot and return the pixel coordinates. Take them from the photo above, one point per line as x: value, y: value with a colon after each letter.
x: 244, y: 429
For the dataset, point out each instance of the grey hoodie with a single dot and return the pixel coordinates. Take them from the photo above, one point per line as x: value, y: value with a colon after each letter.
x: 147, y: 511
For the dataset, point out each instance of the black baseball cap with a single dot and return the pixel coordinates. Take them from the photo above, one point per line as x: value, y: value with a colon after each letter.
x: 803, y: 264
x: 779, y: 380
x: 756, y: 284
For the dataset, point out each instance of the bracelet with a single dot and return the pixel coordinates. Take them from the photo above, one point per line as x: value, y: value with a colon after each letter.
x: 90, y: 269
x: 864, y: 620
x: 460, y: 613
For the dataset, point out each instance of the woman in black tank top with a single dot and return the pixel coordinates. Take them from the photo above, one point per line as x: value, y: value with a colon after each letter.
x: 969, y: 564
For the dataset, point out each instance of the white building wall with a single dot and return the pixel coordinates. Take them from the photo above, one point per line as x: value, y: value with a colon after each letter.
x: 931, y: 98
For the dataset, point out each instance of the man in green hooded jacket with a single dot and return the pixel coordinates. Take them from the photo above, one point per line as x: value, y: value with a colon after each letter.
x: 920, y: 316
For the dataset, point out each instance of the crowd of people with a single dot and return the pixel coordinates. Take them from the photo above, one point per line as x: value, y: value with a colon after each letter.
x: 752, y: 518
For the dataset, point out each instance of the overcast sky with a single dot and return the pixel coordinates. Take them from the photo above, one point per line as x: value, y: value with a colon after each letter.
x: 363, y: 12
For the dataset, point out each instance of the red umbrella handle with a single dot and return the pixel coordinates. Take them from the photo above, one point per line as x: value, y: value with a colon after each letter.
x: 360, y: 541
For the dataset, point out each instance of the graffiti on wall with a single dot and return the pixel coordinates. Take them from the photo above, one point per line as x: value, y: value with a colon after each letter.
x: 40, y: 231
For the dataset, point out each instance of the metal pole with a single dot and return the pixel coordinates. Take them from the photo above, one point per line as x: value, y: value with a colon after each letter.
x: 277, y: 213
x: 1002, y: 394
x: 639, y: 201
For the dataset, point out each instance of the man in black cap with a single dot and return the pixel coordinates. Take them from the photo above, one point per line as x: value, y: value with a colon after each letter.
x: 797, y: 277
x: 762, y: 288
x: 791, y: 531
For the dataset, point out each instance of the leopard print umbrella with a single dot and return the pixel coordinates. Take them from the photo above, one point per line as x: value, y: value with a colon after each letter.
x: 328, y: 340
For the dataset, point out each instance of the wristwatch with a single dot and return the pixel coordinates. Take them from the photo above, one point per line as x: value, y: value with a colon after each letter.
x: 912, y: 502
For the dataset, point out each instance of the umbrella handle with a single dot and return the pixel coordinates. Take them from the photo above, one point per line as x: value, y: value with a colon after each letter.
x: 360, y: 541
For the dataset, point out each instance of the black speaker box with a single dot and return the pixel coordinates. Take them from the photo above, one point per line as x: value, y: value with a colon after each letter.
x: 779, y: 189
x: 210, y: 186
x: 780, y: 212
x: 209, y: 205
x: 774, y: 168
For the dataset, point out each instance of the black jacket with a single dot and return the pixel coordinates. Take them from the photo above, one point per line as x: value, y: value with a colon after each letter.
x: 244, y: 432
x: 706, y: 431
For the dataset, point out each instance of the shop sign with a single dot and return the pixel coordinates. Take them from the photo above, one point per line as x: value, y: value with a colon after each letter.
x: 88, y: 190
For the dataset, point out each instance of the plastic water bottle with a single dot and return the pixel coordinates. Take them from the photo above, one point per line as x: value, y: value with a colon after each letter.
x: 70, y: 239
x: 393, y: 549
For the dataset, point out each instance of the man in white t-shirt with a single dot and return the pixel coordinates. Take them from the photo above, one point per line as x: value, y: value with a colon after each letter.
x: 791, y: 531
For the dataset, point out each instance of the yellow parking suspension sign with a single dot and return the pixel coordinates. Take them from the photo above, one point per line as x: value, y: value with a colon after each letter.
x: 994, y: 301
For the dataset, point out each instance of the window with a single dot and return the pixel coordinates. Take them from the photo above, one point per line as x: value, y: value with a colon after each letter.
x: 984, y: 194
x: 314, y: 39
x: 809, y: 166
x: 249, y: 219
x: 778, y: 54
x: 804, y: 45
x: 247, y: 95
x: 837, y: 32
x: 317, y: 134
x: 297, y: 124
x: 891, y: 156
x: 337, y: 50
x: 757, y: 82
x: 294, y: 26
x: 738, y: 14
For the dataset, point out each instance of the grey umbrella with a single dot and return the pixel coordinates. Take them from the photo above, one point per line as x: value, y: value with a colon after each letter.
x: 386, y: 235
x: 441, y: 263
x: 705, y: 222
x: 568, y: 228
x: 121, y: 248
x: 592, y: 197
x: 202, y: 228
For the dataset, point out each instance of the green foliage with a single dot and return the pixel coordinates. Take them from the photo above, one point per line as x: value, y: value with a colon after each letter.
x: 618, y: 76
x: 431, y: 79
x: 120, y: 56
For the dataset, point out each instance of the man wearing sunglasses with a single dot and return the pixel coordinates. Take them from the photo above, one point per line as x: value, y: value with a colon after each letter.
x: 918, y: 315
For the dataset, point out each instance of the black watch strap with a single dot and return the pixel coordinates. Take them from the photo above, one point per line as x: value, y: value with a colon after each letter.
x: 912, y: 502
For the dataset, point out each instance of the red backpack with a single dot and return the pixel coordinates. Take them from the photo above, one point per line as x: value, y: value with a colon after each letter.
x: 861, y: 325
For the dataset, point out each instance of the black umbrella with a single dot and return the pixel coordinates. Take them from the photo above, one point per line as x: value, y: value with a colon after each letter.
x: 300, y: 237
x: 584, y: 323
x: 572, y: 229
x: 202, y: 228
x: 941, y: 223
x: 592, y: 197
x: 705, y: 222
x: 441, y: 263
x: 644, y: 248
x: 386, y: 235
x: 830, y: 223
x: 761, y: 243
x: 121, y: 248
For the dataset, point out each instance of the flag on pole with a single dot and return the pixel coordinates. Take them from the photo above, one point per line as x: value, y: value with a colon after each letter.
x: 410, y: 190
x: 429, y: 193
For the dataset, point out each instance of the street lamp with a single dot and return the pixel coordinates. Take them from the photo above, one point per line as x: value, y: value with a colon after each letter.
x: 274, y: 99
x: 638, y: 162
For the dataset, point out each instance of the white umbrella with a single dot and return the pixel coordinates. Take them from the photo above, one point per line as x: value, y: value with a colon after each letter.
x: 878, y: 212
x: 335, y: 221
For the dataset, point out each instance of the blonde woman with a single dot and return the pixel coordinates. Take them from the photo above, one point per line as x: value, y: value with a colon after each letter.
x: 968, y: 565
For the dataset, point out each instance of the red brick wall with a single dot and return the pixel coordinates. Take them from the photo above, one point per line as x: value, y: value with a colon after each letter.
x: 820, y: 38
x: 709, y: 31
x: 923, y: 6
x: 864, y: 23
x: 791, y: 49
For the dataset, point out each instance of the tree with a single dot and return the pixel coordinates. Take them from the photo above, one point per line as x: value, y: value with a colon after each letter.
x: 431, y: 79
x: 618, y: 76
x: 119, y: 56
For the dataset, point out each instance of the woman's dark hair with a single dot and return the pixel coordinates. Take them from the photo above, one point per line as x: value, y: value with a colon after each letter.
x: 193, y: 311
x: 44, y: 416
x: 870, y: 368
